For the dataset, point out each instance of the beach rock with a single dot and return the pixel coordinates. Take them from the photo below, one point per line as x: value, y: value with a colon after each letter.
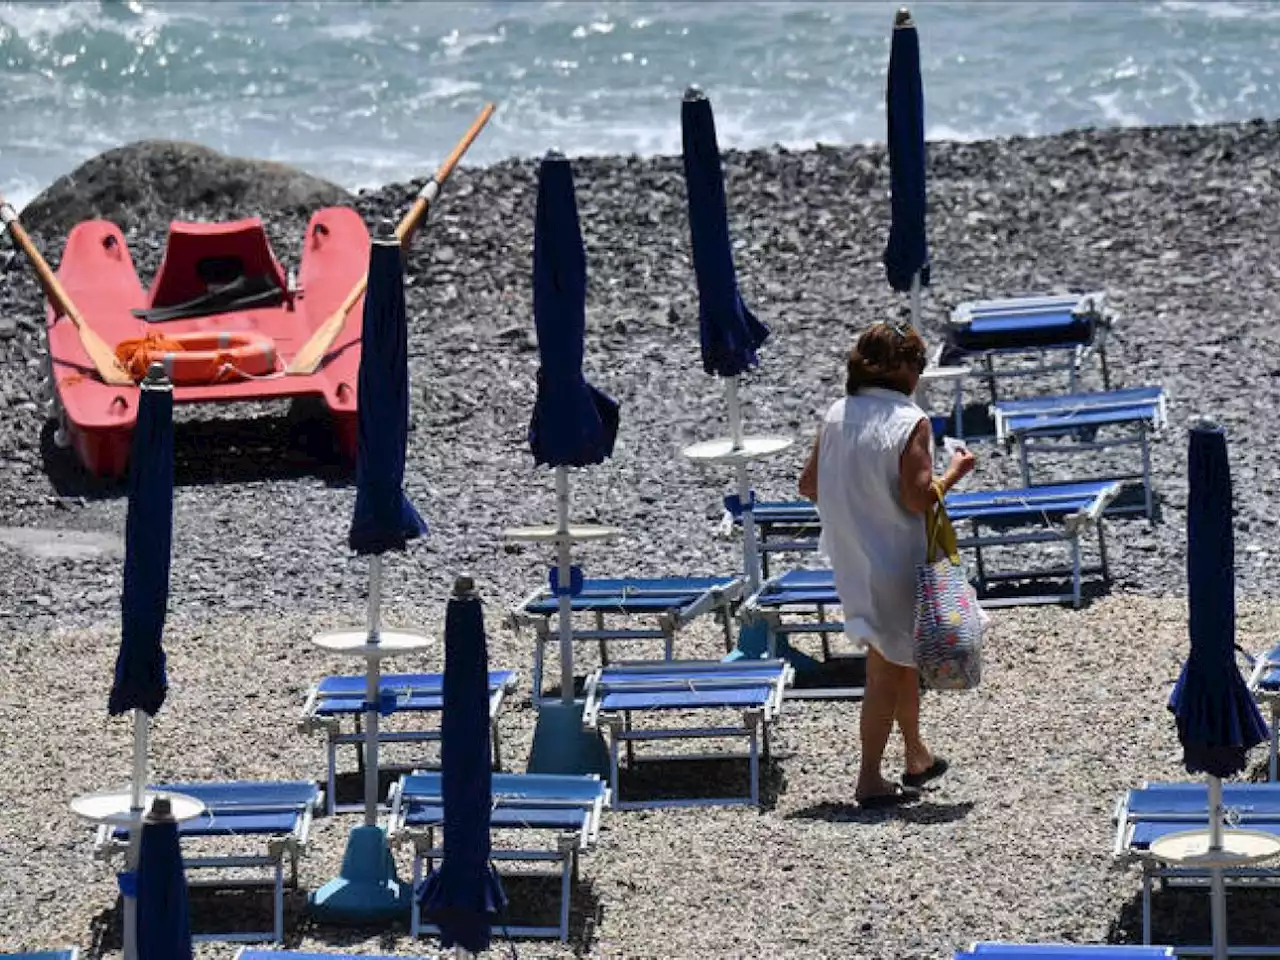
x: 158, y: 180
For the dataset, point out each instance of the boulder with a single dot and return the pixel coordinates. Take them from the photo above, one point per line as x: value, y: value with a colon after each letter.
x: 158, y: 180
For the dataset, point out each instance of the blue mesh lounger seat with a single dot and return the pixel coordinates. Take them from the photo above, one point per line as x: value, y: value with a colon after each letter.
x: 617, y: 692
x: 69, y: 953
x: 1155, y: 810
x: 986, y: 330
x: 1064, y: 951
x: 564, y: 809
x: 1036, y: 425
x: 277, y: 813
x: 674, y: 602
x: 337, y: 699
x: 996, y: 518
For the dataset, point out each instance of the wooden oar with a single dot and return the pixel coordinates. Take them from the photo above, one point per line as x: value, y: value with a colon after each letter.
x: 103, y: 357
x: 306, y: 360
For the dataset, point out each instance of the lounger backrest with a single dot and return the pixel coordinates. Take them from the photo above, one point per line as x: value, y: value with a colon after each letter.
x: 521, y: 787
x: 249, y: 795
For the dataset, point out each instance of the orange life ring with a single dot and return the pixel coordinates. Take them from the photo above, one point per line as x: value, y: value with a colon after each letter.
x: 200, y: 358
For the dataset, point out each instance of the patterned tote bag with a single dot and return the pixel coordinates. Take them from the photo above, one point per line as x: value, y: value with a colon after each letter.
x: 949, y: 620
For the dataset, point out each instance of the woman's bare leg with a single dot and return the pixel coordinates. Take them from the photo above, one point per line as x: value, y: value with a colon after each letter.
x: 879, y: 705
x: 907, y: 713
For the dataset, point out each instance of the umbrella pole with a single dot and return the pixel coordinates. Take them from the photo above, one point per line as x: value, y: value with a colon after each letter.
x: 373, y: 672
x: 750, y: 549
x: 1217, y: 887
x: 563, y: 575
x: 137, y: 802
x: 915, y: 300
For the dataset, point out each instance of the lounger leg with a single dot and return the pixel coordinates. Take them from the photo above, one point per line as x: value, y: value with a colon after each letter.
x: 278, y: 927
x: 1022, y: 461
x: 726, y: 621
x: 1075, y: 571
x: 331, y: 794
x: 957, y: 409
x: 982, y: 567
x: 826, y: 642
x: 1146, y: 469
x: 539, y: 639
x: 1272, y: 761
x: 613, y: 765
x: 753, y: 722
x: 631, y: 747
x: 1102, y: 550
x: 991, y: 376
x: 415, y: 911
x: 566, y: 891
x: 1146, y: 907
x: 359, y: 745
x: 1106, y: 372
x: 604, y: 647
x: 497, y: 744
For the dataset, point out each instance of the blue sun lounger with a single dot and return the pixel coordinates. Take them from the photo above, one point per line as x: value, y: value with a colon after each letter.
x: 341, y: 698
x: 1264, y: 684
x: 1064, y: 951
x: 986, y: 330
x: 995, y: 518
x: 563, y: 808
x: 70, y: 953
x: 246, y: 953
x: 674, y: 602
x: 1155, y: 810
x: 278, y: 813
x: 617, y: 692
x: 1037, y: 424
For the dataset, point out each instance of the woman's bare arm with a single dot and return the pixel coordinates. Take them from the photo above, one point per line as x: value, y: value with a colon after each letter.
x: 809, y: 475
x: 915, y: 470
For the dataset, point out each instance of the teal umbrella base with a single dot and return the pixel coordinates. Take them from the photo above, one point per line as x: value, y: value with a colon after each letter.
x: 753, y: 644
x: 367, y: 890
x: 561, y: 745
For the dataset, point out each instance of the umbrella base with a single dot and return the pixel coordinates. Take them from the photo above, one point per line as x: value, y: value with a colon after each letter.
x: 367, y: 891
x: 753, y: 644
x: 561, y: 745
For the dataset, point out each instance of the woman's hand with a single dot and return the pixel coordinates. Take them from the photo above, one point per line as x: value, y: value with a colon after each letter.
x: 962, y: 462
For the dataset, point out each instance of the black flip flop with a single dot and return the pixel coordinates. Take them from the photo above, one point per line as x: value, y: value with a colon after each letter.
x: 897, y: 798
x: 931, y: 772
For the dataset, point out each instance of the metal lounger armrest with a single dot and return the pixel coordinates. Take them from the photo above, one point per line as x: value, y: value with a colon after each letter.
x: 309, y: 722
x: 1093, y: 513
x: 708, y: 600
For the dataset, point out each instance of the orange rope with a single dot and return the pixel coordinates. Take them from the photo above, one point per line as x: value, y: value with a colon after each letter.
x: 136, y: 355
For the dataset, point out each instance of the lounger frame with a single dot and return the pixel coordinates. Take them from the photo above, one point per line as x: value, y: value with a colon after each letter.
x: 694, y: 674
x: 1153, y: 869
x: 719, y: 599
x: 1030, y: 438
x: 1268, y: 695
x: 568, y: 845
x: 280, y: 846
x: 1077, y: 353
x: 312, y: 720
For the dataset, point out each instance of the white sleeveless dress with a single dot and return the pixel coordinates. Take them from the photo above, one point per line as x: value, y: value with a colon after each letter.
x: 872, y: 542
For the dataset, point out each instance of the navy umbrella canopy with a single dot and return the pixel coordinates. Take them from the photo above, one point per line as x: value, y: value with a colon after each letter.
x: 1218, y: 721
x: 729, y: 332
x: 907, y: 252
x: 573, y: 424
x: 384, y: 519
x: 140, y: 680
x: 164, y: 928
x: 463, y: 894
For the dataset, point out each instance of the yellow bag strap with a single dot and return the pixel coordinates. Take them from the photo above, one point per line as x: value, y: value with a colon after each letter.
x: 941, y: 535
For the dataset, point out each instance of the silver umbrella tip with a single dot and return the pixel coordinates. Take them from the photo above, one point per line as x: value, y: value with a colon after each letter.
x: 903, y: 18
x: 555, y: 153
x: 464, y: 586
x: 693, y: 93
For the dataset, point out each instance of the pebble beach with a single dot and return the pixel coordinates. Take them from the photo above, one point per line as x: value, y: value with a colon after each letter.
x: 1176, y: 224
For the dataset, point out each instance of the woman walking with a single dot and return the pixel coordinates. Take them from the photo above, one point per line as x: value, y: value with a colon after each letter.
x: 871, y: 475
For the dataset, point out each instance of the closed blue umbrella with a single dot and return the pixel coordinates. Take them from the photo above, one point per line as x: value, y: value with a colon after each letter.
x: 367, y: 890
x: 164, y: 927
x: 729, y: 332
x: 384, y: 519
x: 906, y: 257
x: 140, y: 681
x: 1218, y: 721
x: 574, y: 424
x: 463, y: 894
